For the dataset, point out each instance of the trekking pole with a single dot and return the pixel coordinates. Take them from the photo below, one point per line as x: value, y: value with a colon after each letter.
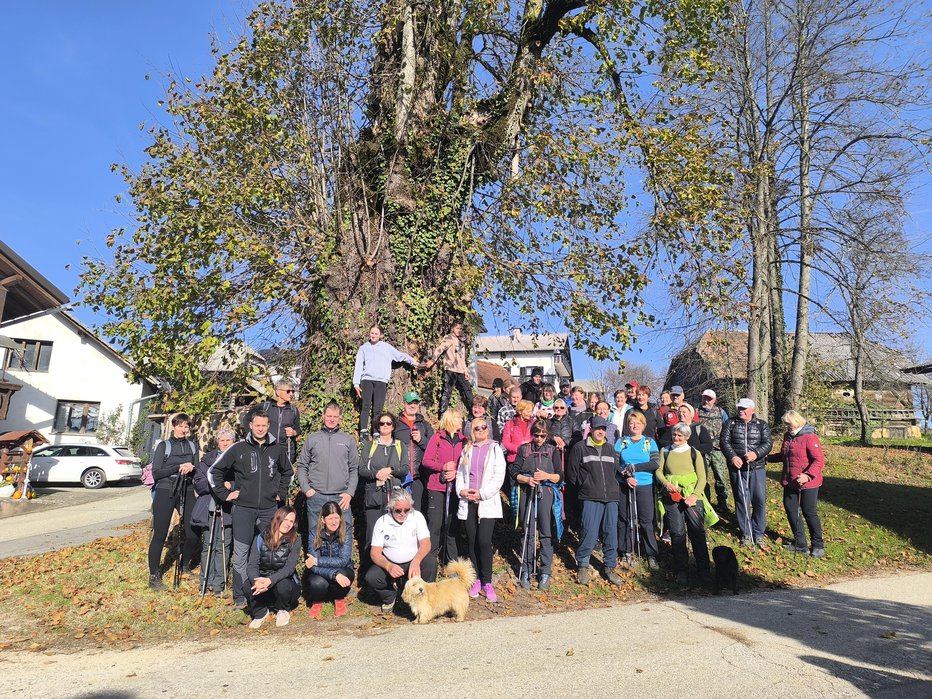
x: 444, y: 528
x: 799, y: 523
x: 210, y: 554
x: 527, y: 524
x: 536, y: 495
x: 636, y: 524
x: 746, y: 487
x: 181, y: 534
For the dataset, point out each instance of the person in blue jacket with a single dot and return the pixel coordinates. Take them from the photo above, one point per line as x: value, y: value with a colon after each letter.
x: 638, y: 460
x: 329, y: 562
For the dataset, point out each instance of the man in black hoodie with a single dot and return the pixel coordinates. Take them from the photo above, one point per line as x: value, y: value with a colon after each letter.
x: 414, y: 432
x: 260, y: 468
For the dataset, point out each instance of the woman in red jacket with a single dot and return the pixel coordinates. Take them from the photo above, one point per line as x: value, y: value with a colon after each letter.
x: 439, y: 468
x: 517, y: 430
x: 803, y: 461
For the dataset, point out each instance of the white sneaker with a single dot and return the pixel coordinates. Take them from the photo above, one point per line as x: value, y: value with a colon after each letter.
x: 257, y: 623
x: 282, y: 618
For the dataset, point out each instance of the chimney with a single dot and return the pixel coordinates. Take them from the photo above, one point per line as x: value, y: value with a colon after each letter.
x: 515, y: 334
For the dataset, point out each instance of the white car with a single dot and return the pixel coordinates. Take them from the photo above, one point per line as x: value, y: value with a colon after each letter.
x: 91, y: 465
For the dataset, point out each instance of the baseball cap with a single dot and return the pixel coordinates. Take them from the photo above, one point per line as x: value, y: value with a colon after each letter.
x: 676, y: 390
x: 598, y: 422
x: 746, y: 403
x: 710, y: 393
x: 412, y: 397
x: 631, y: 384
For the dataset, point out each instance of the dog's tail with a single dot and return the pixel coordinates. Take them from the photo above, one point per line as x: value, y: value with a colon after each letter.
x: 462, y: 569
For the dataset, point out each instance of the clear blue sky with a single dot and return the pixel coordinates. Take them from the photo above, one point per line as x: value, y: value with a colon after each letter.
x: 75, y: 96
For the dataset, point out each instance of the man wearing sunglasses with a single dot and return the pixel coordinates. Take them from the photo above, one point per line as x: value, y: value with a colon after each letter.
x: 284, y: 419
x: 400, y: 550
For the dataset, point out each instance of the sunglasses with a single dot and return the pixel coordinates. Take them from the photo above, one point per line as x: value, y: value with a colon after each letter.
x: 287, y: 390
x: 384, y: 423
x: 540, y: 434
x: 559, y: 408
x: 399, y: 511
x: 480, y: 428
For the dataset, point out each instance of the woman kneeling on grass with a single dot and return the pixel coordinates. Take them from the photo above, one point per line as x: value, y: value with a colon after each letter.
x: 272, y: 584
x: 329, y: 562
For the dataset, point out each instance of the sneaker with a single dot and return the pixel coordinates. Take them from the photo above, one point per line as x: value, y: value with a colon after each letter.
x: 652, y: 563
x: 239, y: 604
x: 761, y: 541
x: 257, y: 623
x: 747, y: 542
x: 818, y: 553
x: 794, y: 548
x: 339, y: 608
x: 474, y: 590
x: 388, y: 607
x: 316, y: 609
x: 489, y: 593
x: 155, y: 582
x: 544, y: 583
x: 282, y: 617
x: 626, y: 560
x: 525, y: 582
x: 582, y: 575
x: 612, y: 577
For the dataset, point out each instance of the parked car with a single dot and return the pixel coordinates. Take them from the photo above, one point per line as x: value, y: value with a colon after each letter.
x: 91, y: 465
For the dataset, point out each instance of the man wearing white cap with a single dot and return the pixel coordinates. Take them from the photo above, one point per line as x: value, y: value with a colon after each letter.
x: 745, y: 442
x: 714, y: 419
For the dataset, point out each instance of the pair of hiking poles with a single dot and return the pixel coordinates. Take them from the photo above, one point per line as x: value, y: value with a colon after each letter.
x: 530, y: 535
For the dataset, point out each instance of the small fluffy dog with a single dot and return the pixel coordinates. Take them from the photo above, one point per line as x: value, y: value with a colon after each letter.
x: 430, y: 600
x: 726, y: 569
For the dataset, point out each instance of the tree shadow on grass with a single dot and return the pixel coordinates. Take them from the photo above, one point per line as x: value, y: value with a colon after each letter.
x: 904, y: 509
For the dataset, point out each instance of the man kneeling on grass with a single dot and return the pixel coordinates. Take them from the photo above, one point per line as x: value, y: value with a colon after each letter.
x: 400, y: 549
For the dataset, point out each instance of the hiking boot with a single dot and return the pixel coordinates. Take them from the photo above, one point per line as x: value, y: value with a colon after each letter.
x: 762, y: 542
x: 239, y: 604
x: 282, y: 617
x: 612, y: 577
x: 525, y: 582
x: 582, y: 575
x: 316, y: 610
x: 474, y: 589
x: 258, y: 622
x: 155, y: 582
x: 795, y: 548
x: 747, y: 542
x: 489, y: 593
x: 818, y: 552
x: 388, y: 607
x: 544, y: 583
x: 652, y: 563
x: 339, y: 608
x: 626, y: 561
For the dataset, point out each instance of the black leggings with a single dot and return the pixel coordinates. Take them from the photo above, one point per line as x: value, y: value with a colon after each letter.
x: 320, y: 589
x: 479, y: 542
x: 281, y: 597
x: 373, y: 399
x: 792, y: 506
x: 163, y: 504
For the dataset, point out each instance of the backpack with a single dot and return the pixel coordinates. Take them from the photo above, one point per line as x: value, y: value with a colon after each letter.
x: 148, y: 479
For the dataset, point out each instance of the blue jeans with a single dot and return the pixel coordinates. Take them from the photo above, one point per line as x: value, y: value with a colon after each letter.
x: 316, y: 503
x: 757, y: 490
x: 596, y: 517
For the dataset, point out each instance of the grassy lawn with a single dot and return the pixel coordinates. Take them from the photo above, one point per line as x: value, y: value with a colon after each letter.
x: 875, y: 507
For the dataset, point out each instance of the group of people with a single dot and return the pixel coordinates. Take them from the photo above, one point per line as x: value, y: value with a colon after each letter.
x: 558, y: 457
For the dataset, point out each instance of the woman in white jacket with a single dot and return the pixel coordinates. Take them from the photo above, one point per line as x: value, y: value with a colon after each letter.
x: 479, y: 477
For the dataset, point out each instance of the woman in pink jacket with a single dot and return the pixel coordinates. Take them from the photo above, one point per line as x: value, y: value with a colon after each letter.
x: 438, y: 466
x: 803, y: 461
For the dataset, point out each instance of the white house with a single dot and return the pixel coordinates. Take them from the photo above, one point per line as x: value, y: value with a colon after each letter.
x: 520, y: 354
x: 70, y: 379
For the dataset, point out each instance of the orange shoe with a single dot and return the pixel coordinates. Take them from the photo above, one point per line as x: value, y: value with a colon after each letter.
x: 316, y: 609
x: 339, y: 608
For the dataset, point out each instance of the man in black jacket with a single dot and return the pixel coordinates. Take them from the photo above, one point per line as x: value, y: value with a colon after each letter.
x: 592, y: 467
x: 261, y: 470
x: 530, y: 389
x: 284, y: 418
x: 746, y: 442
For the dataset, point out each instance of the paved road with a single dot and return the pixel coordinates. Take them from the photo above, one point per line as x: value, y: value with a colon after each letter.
x: 868, y: 637
x: 71, y: 517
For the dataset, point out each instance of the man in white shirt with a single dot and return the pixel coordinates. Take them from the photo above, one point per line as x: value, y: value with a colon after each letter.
x: 400, y: 549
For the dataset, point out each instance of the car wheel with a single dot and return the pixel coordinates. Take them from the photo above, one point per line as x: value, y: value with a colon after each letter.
x: 93, y: 478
